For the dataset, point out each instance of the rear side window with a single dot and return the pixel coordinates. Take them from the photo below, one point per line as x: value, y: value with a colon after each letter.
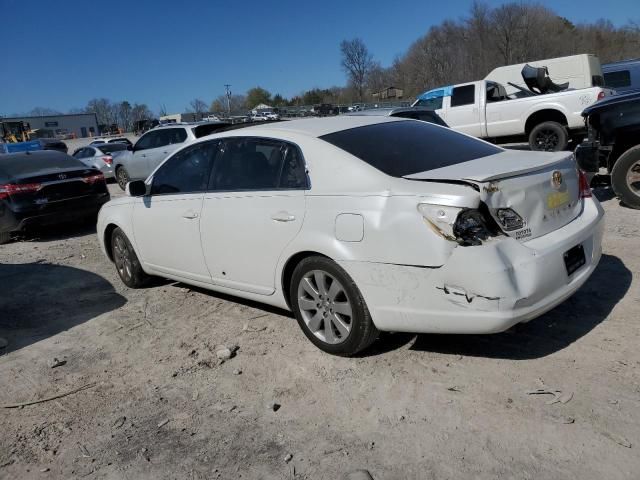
x: 172, y: 136
x: 404, y: 147
x: 113, y: 147
x: 185, y: 172
x: 249, y: 163
x: 619, y: 79
x: 204, y: 130
x: 463, y: 95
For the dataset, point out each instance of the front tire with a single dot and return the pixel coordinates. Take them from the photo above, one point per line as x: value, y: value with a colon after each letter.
x: 122, y: 177
x: 548, y: 137
x: 127, y: 264
x: 625, y: 177
x: 330, y: 308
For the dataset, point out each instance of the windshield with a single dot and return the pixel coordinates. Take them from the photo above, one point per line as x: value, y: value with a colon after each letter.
x: 407, y: 147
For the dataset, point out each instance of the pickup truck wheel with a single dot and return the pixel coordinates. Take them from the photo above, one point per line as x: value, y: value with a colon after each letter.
x: 548, y: 137
x: 122, y: 177
x: 625, y: 177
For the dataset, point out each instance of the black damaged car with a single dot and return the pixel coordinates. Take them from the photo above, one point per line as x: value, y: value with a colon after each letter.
x: 613, y: 143
x: 47, y: 187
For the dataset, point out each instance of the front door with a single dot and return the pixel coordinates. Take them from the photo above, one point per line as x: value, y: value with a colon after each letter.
x: 463, y: 112
x: 167, y: 222
x: 254, y: 208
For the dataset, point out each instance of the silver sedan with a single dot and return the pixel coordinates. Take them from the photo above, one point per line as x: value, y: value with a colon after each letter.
x: 100, y: 156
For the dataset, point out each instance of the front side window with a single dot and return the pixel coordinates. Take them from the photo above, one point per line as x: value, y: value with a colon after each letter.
x: 463, y: 95
x: 248, y: 163
x: 186, y: 172
x: 147, y: 141
x: 405, y: 147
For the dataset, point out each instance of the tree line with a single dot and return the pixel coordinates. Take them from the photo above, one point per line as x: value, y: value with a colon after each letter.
x: 469, y: 48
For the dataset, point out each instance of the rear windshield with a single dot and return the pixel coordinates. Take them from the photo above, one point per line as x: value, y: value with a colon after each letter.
x: 22, y: 164
x: 112, y: 147
x: 407, y: 147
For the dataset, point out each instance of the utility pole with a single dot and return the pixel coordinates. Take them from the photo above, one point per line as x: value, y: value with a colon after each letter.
x: 228, y: 94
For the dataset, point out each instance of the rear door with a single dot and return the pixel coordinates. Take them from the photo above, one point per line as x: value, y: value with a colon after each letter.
x: 253, y: 209
x: 463, y: 112
x: 168, y: 141
x: 167, y: 222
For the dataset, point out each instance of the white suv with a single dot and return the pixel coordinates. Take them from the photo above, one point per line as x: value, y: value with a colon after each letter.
x: 156, y: 145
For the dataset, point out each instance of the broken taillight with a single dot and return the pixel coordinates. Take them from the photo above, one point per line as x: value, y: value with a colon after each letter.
x: 9, y: 189
x: 108, y: 159
x: 585, y: 189
x: 471, y: 227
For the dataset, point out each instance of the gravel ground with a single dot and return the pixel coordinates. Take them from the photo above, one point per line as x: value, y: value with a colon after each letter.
x: 160, y: 404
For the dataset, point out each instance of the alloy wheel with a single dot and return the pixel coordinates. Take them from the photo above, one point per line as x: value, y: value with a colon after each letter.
x: 122, y: 258
x: 122, y: 178
x: 547, y: 140
x: 325, y: 307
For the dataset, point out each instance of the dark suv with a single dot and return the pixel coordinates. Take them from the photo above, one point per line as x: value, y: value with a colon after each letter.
x: 613, y: 142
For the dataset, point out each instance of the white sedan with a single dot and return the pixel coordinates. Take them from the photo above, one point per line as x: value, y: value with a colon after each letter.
x: 363, y: 224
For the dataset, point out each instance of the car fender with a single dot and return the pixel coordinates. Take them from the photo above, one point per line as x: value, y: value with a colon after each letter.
x: 118, y: 212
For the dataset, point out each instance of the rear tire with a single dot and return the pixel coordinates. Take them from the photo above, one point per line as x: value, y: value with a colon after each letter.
x: 5, y: 237
x: 127, y: 264
x: 122, y: 177
x: 330, y: 308
x: 625, y: 177
x: 548, y: 137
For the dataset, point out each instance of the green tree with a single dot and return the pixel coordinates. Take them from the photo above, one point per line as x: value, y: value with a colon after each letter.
x: 258, y: 95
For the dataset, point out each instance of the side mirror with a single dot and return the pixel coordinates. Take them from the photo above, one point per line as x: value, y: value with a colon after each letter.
x: 130, y: 148
x: 137, y: 188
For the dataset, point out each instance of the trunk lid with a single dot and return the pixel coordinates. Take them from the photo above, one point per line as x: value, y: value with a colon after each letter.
x: 542, y: 188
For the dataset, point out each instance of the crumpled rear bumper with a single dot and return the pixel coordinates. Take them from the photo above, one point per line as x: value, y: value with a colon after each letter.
x: 482, y: 289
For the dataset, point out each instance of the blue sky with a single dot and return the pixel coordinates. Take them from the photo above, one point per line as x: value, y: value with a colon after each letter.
x: 60, y: 54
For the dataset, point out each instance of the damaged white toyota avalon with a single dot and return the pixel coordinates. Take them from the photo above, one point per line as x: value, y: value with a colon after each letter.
x: 363, y: 224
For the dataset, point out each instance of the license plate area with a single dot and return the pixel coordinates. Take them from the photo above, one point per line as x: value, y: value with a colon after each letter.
x: 574, y: 259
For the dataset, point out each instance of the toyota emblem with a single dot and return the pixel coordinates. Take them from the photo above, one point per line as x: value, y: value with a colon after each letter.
x: 62, y: 176
x: 556, y: 180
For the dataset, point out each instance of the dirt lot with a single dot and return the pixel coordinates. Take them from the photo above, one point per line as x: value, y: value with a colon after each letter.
x: 161, y: 405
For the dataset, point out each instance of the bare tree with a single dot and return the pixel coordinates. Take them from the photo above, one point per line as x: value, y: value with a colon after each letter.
x: 198, y: 107
x: 357, y: 62
x: 125, y: 116
x: 43, y: 112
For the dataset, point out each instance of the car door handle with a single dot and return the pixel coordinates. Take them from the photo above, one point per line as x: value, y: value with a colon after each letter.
x: 283, y: 217
x: 190, y: 215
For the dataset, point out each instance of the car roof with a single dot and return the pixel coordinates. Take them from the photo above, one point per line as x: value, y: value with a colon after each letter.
x: 317, y: 127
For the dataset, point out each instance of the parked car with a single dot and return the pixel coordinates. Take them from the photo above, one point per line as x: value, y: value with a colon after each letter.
x: 46, y: 187
x: 272, y: 116
x: 622, y: 76
x: 417, y: 113
x: 124, y: 140
x: 52, y: 144
x: 100, y: 156
x: 613, y: 143
x: 259, y: 117
x: 363, y: 223
x: 156, y: 145
x: 483, y: 109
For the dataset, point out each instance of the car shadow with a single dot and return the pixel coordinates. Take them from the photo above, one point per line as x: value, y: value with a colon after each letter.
x: 61, y: 231
x: 39, y: 300
x: 550, y: 333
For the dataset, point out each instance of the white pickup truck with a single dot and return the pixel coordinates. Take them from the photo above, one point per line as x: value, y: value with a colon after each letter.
x: 483, y: 109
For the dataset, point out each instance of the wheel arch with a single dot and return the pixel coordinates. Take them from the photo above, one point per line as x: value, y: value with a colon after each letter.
x: 108, y: 233
x: 545, y: 115
x: 290, y: 265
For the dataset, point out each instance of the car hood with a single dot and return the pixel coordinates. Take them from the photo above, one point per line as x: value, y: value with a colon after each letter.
x: 509, y: 163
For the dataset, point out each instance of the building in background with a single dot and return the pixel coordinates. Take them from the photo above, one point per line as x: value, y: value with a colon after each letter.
x: 74, y: 125
x: 389, y: 93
